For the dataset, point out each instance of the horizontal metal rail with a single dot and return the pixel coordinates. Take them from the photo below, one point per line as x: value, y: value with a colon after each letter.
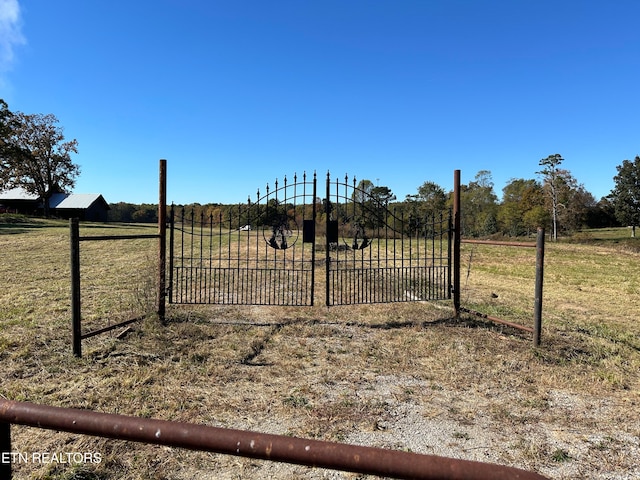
x: 503, y: 244
x: 111, y: 327
x: 496, y: 319
x: 313, y: 453
x: 118, y: 237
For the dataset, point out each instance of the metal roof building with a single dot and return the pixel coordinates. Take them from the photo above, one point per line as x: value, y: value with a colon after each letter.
x: 19, y: 194
x: 18, y: 200
x: 85, y: 206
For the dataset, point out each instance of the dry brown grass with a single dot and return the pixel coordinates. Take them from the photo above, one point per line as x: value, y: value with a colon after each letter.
x: 404, y: 376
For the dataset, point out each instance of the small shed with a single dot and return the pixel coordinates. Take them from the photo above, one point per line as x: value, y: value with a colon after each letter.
x: 85, y: 206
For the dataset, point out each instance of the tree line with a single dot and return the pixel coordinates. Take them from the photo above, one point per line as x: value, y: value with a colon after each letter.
x: 555, y: 201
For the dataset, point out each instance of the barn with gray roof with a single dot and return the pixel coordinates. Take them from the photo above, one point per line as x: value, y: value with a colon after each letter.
x: 85, y: 206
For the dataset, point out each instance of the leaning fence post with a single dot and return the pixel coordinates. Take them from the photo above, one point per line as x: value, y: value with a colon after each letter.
x: 537, y: 309
x: 74, y: 224
x: 5, y: 450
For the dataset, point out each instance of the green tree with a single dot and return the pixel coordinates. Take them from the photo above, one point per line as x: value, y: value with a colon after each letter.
x: 38, y: 158
x: 121, y: 212
x: 145, y: 213
x: 576, y: 202
x: 382, y: 195
x: 602, y: 214
x: 537, y: 216
x: 430, y: 200
x: 370, y: 204
x: 552, y: 179
x: 7, y: 124
x: 626, y: 194
x: 362, y: 192
x: 478, y: 204
x: 568, y: 201
x: 522, y: 208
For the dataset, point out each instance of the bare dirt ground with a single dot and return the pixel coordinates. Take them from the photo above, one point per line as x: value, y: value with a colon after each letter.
x: 558, y: 433
x: 459, y: 389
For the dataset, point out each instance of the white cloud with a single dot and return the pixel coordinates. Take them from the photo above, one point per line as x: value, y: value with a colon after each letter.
x: 10, y: 32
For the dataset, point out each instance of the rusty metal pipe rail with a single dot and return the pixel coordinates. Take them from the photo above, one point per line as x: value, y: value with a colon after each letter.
x: 496, y: 319
x: 313, y: 453
x: 111, y: 327
x: 499, y: 243
x: 118, y: 237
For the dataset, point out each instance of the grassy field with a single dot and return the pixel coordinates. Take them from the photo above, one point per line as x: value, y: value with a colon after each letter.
x: 403, y: 376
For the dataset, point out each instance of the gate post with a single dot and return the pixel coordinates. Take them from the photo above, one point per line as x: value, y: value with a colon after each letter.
x: 537, y: 309
x: 327, y: 256
x: 74, y: 225
x: 162, y: 240
x: 456, y: 242
x: 172, y: 217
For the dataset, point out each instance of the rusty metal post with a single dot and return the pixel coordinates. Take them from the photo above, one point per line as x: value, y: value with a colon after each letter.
x: 162, y: 241
x: 327, y: 257
x: 76, y: 329
x: 314, y: 217
x: 537, y: 309
x: 279, y: 448
x: 172, y: 219
x: 456, y: 242
x: 5, y: 450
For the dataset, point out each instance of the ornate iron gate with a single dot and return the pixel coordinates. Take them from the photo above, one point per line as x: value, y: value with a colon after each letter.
x: 253, y: 254
x: 381, y: 255
x: 265, y: 252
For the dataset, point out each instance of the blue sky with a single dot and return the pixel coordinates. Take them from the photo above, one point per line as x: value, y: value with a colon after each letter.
x: 237, y: 93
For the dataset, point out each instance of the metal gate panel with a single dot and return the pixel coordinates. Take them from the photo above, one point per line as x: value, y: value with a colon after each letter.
x: 259, y: 253
x: 379, y: 255
x: 266, y: 252
x: 387, y: 285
